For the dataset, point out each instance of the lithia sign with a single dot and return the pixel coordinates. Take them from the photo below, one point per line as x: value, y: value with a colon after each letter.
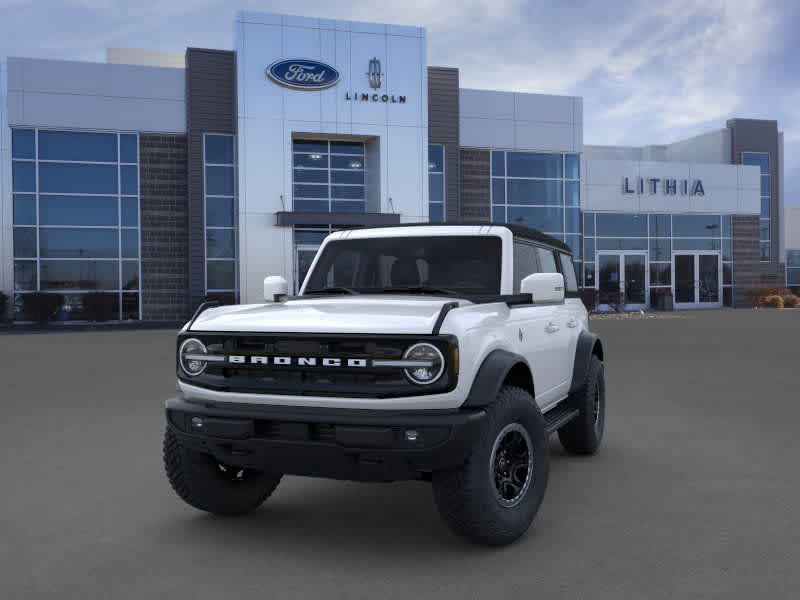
x: 667, y: 186
x: 306, y: 74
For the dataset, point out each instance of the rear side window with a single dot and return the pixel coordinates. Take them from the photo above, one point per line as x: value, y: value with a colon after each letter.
x: 525, y: 263
x: 547, y: 260
x: 568, y: 270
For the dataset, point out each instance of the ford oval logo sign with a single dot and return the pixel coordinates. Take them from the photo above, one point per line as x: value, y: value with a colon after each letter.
x: 303, y: 74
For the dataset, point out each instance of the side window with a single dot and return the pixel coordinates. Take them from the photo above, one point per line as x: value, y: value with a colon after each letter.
x: 547, y: 260
x: 524, y: 263
x: 568, y: 270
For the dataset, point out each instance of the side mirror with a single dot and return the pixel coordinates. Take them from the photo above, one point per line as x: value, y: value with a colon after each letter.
x: 275, y: 289
x: 545, y: 288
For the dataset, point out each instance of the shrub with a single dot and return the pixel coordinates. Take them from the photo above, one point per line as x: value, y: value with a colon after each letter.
x: 98, y: 306
x: 41, y: 306
x: 790, y: 300
x: 773, y: 301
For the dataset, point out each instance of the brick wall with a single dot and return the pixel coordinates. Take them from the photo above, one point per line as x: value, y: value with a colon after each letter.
x: 748, y: 271
x: 475, y: 198
x: 165, y: 230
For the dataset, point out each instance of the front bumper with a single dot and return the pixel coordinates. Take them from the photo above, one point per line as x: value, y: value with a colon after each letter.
x: 362, y: 445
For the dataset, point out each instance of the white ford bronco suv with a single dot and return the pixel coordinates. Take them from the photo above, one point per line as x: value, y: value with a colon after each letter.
x: 446, y: 353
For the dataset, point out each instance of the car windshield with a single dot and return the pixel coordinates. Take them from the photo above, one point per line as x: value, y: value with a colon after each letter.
x: 447, y: 265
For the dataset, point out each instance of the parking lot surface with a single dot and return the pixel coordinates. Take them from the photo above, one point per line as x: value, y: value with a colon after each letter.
x: 695, y: 493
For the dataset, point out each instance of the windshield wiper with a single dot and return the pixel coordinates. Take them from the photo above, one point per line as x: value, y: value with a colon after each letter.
x: 331, y: 290
x: 419, y: 289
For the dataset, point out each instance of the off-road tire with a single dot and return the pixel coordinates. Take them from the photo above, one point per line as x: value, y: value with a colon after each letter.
x: 584, y: 433
x: 467, y: 496
x: 201, y: 482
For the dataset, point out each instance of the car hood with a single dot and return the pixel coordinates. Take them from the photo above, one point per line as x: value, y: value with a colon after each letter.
x: 378, y: 314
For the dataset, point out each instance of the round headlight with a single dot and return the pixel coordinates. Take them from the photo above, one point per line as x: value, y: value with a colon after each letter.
x: 431, y: 364
x: 190, y: 357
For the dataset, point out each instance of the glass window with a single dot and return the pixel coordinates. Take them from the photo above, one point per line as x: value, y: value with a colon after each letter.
x: 622, y: 225
x: 314, y: 238
x: 346, y: 162
x: 765, y: 191
x: 660, y: 226
x: 311, y: 191
x: 77, y: 146
x: 220, y: 243
x: 219, y: 149
x: 313, y: 175
x: 130, y: 275
x: 356, y: 148
x: 695, y: 244
x: 531, y: 191
x: 23, y: 176
x: 347, y: 206
x: 568, y: 270
x: 319, y: 161
x: 356, y: 177
x: 436, y: 212
x: 763, y: 228
x: 525, y: 263
x: 793, y: 258
x: 660, y: 274
x: 67, y: 178
x: 547, y: 219
x: 572, y: 191
x: 498, y: 163
x: 727, y: 225
x: 23, y: 143
x: 436, y: 187
x: 765, y: 251
x: 312, y: 205
x: 574, y: 242
x: 573, y: 166
x: 588, y: 224
x: 660, y: 249
x: 727, y: 249
x: 572, y: 220
x: 25, y: 242
x: 759, y: 159
x: 57, y: 242
x: 727, y: 273
x: 435, y: 158
x: 588, y: 274
x: 219, y: 181
x: 128, y: 148
x: 24, y: 209
x: 696, y: 225
x: 312, y: 146
x: 498, y: 191
x: 435, y: 183
x: 588, y: 249
x: 220, y: 275
x: 77, y: 210
x: 25, y: 275
x: 219, y: 212
x: 130, y: 212
x: 530, y: 164
x: 347, y: 192
x: 547, y: 260
x: 130, y: 243
x: 130, y: 307
x: 621, y: 243
x: 765, y: 207
x: 79, y: 275
x: 129, y: 176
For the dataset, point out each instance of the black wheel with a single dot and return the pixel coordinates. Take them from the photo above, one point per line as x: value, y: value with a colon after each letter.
x: 493, y: 498
x: 202, y: 482
x: 583, y: 434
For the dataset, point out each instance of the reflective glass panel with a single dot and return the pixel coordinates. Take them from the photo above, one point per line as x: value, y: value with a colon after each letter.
x: 759, y: 159
x: 219, y: 149
x: 436, y: 212
x: 23, y: 143
x: 588, y: 249
x: 219, y: 212
x: 531, y: 191
x: 78, y: 146
x: 498, y: 191
x: 660, y: 274
x: 221, y: 274
x: 129, y: 183
x: 130, y: 243
x: 347, y: 148
x: 765, y: 207
x: 621, y: 243
x: 130, y: 307
x: 498, y: 163
x: 77, y: 210
x: 695, y: 244
x: 793, y: 258
x: 357, y: 177
x: 311, y: 205
x: 765, y: 185
x: 130, y: 275
x: 79, y: 275
x: 347, y: 206
x: 219, y: 181
x: 309, y: 146
x: 727, y: 225
x: 57, y: 242
x: 128, y: 148
x: 23, y: 176
x: 530, y: 164
x: 313, y: 238
x: 435, y: 158
x: 312, y: 175
x: 130, y: 212
x: 24, y: 209
x: 347, y: 192
x: 498, y: 214
x: 660, y: 249
x: 625, y: 225
x: 310, y: 191
x: 573, y: 166
x: 574, y: 242
x: 572, y: 191
x: 588, y: 224
x: 315, y: 161
x: 696, y: 225
x: 25, y: 275
x: 344, y: 162
x: 546, y: 219
x: 220, y: 243
x: 25, y: 242
x: 572, y: 220
x: 68, y: 178
x: 660, y: 226
x: 436, y: 187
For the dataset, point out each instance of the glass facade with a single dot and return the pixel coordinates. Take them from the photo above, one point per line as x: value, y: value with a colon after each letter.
x: 76, y: 220
x: 436, y: 183
x: 793, y: 268
x: 761, y: 160
x: 658, y: 236
x: 221, y: 223
x: 328, y: 176
x: 539, y: 190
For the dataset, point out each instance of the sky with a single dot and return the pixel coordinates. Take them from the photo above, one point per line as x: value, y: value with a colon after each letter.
x: 649, y: 72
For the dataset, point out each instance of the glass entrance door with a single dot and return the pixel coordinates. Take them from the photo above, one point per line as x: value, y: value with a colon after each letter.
x: 697, y: 279
x: 622, y: 280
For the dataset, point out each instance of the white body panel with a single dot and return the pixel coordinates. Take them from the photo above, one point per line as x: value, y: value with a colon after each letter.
x: 544, y: 335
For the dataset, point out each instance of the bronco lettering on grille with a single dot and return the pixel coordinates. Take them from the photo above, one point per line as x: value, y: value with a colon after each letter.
x: 301, y: 361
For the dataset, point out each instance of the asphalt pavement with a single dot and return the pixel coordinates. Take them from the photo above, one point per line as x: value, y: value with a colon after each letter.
x: 694, y: 494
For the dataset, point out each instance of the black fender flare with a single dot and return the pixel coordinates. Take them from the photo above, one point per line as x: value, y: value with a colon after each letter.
x: 491, y: 375
x: 589, y: 345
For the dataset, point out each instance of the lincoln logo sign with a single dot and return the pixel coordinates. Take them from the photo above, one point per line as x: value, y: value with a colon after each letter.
x: 667, y: 186
x: 302, y: 74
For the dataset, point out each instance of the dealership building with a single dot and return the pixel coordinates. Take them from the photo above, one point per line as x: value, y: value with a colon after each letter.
x: 163, y: 179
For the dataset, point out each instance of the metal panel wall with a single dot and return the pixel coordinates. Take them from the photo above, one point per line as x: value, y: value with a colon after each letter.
x: 443, y: 128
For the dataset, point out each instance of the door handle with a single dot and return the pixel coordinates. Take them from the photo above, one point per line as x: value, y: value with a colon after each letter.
x: 551, y: 327
x: 573, y: 322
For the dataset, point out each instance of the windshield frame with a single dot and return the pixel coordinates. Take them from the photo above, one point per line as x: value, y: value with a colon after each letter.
x: 505, y: 239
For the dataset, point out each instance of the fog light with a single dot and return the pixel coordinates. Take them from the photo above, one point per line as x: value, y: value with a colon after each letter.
x: 411, y: 435
x: 197, y: 422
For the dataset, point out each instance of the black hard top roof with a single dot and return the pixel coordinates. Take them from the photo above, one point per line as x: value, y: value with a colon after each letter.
x: 520, y: 231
